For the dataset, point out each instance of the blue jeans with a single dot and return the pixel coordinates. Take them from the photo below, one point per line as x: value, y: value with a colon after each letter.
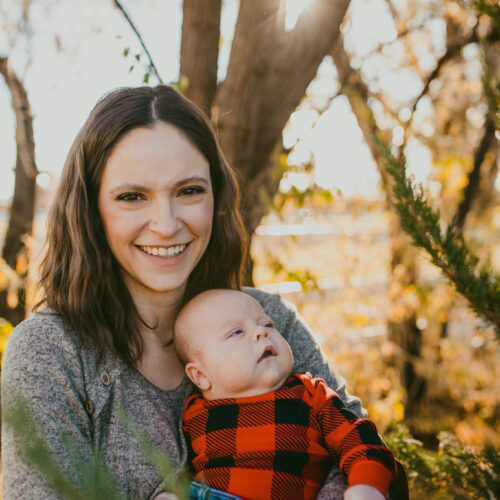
x: 198, y: 491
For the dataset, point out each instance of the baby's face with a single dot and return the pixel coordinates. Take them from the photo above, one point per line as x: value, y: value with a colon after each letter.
x: 237, y: 348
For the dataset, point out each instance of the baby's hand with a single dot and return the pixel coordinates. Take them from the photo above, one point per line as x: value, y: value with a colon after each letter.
x: 363, y: 492
x: 166, y: 496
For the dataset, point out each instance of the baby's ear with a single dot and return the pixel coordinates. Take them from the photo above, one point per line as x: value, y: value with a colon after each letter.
x: 196, y: 374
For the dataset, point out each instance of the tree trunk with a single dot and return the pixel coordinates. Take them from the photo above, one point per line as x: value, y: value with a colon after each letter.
x: 23, y: 204
x: 402, y: 328
x: 268, y: 73
x: 200, y: 50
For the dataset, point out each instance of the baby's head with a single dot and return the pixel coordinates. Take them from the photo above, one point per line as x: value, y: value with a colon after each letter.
x: 230, y: 346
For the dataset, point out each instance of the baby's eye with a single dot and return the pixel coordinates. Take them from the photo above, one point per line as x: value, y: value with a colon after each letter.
x: 129, y: 197
x: 235, y: 333
x: 269, y: 324
x: 193, y: 190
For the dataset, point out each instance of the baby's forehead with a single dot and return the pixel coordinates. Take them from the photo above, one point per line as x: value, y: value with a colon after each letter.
x: 224, y: 303
x: 221, y: 299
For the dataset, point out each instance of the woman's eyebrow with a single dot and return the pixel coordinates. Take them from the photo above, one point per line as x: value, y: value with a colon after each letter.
x: 129, y: 186
x: 194, y: 178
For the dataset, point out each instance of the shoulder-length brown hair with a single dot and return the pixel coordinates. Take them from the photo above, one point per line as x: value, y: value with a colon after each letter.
x: 79, y: 276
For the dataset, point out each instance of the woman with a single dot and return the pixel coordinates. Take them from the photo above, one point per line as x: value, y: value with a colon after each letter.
x: 145, y: 217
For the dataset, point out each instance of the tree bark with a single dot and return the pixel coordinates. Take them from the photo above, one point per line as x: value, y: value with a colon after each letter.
x: 200, y: 50
x: 268, y: 73
x: 23, y: 204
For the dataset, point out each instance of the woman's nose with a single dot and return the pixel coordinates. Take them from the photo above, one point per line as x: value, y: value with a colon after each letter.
x: 164, y: 218
x: 259, y: 333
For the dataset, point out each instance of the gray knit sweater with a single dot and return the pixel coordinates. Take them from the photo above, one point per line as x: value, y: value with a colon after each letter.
x: 68, y: 393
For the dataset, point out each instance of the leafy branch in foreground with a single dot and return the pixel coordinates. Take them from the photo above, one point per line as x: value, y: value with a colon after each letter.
x: 453, y: 472
x: 94, y: 480
x: 446, y: 248
x: 174, y: 480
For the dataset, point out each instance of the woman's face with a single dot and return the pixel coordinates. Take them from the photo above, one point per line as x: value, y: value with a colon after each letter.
x: 156, y: 204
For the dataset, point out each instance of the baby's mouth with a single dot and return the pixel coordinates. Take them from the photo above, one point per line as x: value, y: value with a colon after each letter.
x: 269, y: 352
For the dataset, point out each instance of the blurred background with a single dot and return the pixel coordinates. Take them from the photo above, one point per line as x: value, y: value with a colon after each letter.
x: 297, y: 90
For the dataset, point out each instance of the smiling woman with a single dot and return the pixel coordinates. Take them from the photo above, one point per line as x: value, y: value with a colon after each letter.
x: 145, y: 218
x: 157, y: 218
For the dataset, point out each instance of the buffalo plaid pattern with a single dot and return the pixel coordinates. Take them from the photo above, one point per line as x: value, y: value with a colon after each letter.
x: 280, y: 445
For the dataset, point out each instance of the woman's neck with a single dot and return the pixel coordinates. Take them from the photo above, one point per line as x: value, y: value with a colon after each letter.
x: 157, y: 310
x: 159, y: 362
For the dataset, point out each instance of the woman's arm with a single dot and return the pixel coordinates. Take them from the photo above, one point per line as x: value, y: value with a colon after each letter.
x: 42, y: 367
x: 307, y: 353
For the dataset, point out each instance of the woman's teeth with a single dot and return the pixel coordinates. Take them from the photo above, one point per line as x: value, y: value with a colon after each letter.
x: 164, y: 252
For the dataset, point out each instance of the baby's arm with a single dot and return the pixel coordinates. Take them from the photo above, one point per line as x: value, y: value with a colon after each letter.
x: 363, y: 457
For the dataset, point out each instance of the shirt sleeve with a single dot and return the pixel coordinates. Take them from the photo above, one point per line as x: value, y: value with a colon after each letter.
x: 308, y: 356
x: 42, y: 369
x: 355, y: 442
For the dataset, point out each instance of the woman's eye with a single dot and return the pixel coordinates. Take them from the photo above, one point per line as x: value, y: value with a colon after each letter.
x: 129, y: 197
x: 192, y: 190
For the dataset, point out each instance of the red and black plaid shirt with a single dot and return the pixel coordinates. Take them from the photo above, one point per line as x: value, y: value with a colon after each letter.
x: 280, y: 445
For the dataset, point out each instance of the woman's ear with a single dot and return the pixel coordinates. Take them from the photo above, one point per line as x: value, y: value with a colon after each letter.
x: 195, y: 372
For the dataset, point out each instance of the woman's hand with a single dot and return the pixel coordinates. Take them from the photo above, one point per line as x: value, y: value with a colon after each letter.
x: 166, y: 496
x: 362, y: 492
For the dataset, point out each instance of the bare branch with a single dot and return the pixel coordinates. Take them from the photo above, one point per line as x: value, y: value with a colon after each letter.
x: 200, y: 50
x: 472, y: 188
x: 22, y: 110
x: 356, y: 90
x: 139, y: 37
x: 451, y: 51
x: 22, y: 208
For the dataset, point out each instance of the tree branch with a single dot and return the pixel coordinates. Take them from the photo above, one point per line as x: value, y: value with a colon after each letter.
x: 200, y: 50
x: 447, y: 249
x: 22, y: 209
x: 152, y: 65
x: 24, y: 131
x: 268, y: 73
x: 472, y: 187
x: 356, y: 90
x: 451, y: 52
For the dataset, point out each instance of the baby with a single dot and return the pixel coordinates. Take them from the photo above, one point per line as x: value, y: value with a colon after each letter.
x: 258, y: 431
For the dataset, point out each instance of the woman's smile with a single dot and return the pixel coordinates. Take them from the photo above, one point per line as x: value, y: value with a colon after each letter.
x: 168, y: 252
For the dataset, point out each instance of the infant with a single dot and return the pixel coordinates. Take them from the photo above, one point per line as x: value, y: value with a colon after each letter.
x: 256, y: 430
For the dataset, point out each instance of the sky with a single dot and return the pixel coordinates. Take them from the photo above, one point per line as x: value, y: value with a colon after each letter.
x: 77, y: 55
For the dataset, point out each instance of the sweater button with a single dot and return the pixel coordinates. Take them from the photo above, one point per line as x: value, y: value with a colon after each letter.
x: 89, y: 407
x: 105, y: 378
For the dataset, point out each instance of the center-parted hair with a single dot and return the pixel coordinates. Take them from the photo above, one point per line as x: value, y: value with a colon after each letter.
x: 79, y: 277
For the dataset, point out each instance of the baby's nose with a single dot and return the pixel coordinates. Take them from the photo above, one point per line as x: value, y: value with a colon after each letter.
x: 260, y: 332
